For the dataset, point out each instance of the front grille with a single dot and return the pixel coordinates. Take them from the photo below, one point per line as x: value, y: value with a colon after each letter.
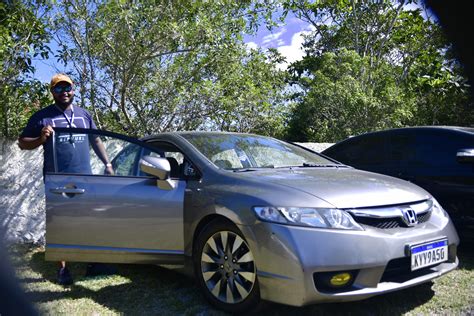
x: 389, y: 222
x: 424, y: 217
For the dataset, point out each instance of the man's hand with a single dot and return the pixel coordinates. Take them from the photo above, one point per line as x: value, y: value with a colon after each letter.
x: 109, y: 170
x: 45, y: 133
x: 35, y: 142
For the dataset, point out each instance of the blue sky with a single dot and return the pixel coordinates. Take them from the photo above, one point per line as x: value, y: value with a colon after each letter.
x: 286, y: 38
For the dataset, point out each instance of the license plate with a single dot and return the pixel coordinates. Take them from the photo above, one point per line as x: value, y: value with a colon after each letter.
x: 428, y: 254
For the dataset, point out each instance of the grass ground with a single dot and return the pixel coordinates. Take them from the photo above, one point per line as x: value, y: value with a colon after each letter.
x: 154, y: 290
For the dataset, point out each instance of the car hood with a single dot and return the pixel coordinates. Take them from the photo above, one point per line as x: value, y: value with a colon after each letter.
x: 343, y: 187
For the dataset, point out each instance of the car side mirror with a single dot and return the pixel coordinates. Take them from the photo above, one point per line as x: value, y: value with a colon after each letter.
x: 465, y: 155
x: 160, y: 168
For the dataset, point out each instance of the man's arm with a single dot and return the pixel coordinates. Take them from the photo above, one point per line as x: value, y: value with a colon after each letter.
x: 35, y: 142
x: 99, y: 150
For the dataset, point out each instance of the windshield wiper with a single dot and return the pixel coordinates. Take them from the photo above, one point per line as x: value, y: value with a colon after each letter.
x: 312, y: 165
x: 253, y: 168
x: 243, y: 170
x: 316, y: 165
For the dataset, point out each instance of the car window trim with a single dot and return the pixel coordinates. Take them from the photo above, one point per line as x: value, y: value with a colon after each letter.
x: 98, y: 132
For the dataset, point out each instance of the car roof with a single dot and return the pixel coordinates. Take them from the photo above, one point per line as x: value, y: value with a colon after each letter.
x: 468, y: 130
x: 456, y: 128
x: 449, y: 129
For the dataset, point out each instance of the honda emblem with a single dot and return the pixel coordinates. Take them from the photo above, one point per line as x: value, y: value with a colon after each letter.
x: 409, y: 217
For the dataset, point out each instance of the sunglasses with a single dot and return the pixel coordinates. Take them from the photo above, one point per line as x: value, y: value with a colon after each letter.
x: 62, y: 89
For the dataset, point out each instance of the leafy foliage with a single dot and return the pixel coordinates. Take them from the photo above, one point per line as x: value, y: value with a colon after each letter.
x: 22, y: 37
x: 145, y: 67
x: 373, y: 65
x: 340, y: 98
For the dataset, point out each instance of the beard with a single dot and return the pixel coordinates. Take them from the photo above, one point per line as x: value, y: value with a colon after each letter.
x: 63, y: 104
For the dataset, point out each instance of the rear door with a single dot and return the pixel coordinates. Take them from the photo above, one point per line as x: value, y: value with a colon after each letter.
x: 451, y: 182
x: 93, y: 216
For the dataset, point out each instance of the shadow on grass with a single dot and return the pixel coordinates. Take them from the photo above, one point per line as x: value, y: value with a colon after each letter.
x: 149, y: 289
x: 466, y: 255
x: 142, y: 289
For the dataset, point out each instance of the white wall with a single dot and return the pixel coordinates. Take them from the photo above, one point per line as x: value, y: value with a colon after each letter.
x: 22, y: 215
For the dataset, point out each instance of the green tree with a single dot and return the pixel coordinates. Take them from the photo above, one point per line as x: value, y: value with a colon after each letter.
x: 337, y: 99
x: 151, y: 66
x: 402, y: 72
x: 23, y: 37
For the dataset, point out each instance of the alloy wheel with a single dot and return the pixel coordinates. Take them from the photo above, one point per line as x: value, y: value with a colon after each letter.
x: 228, y: 267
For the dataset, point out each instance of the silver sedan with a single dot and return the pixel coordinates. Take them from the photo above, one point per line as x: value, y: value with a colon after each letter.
x: 251, y: 217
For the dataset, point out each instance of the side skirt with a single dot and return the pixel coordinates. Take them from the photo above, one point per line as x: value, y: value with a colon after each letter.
x: 79, y: 253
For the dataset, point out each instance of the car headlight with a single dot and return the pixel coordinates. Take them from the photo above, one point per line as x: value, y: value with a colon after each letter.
x: 303, y: 216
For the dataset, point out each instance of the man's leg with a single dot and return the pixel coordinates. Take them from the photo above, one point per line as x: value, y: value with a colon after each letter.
x: 64, y: 277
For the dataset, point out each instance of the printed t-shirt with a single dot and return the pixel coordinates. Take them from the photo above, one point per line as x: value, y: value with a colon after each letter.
x: 72, y: 149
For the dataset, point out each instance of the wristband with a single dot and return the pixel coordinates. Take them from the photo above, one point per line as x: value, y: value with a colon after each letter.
x: 108, y: 165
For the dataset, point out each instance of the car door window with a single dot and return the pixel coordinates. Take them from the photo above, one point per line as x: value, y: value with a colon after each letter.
x: 347, y: 152
x: 125, y: 161
x: 363, y: 151
x: 85, y: 151
x: 402, y: 149
x: 372, y: 150
x: 178, y: 162
x: 439, y: 151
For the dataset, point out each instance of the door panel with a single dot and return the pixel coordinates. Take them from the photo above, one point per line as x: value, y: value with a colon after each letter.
x: 450, y: 182
x: 113, y: 218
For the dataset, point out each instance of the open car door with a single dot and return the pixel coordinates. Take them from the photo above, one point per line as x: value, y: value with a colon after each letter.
x: 124, y: 217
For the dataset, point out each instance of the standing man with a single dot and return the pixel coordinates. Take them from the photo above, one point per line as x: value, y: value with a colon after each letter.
x: 72, y: 154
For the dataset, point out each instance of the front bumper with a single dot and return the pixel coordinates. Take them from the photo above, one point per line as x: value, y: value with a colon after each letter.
x: 287, y: 258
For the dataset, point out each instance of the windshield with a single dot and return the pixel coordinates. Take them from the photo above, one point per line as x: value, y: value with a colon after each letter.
x: 233, y: 152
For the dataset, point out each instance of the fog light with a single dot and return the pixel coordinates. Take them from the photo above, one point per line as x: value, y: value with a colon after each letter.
x: 340, y: 279
x: 335, y: 281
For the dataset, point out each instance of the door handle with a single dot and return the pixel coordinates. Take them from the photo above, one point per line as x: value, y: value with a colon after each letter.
x: 61, y: 190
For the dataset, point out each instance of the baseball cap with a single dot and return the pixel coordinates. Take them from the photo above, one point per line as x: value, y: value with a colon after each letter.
x: 57, y: 78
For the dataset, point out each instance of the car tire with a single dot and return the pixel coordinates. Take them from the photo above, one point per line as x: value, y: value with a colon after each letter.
x: 225, y: 268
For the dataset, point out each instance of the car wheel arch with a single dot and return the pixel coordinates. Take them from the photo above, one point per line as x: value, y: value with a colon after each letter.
x: 204, y: 222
